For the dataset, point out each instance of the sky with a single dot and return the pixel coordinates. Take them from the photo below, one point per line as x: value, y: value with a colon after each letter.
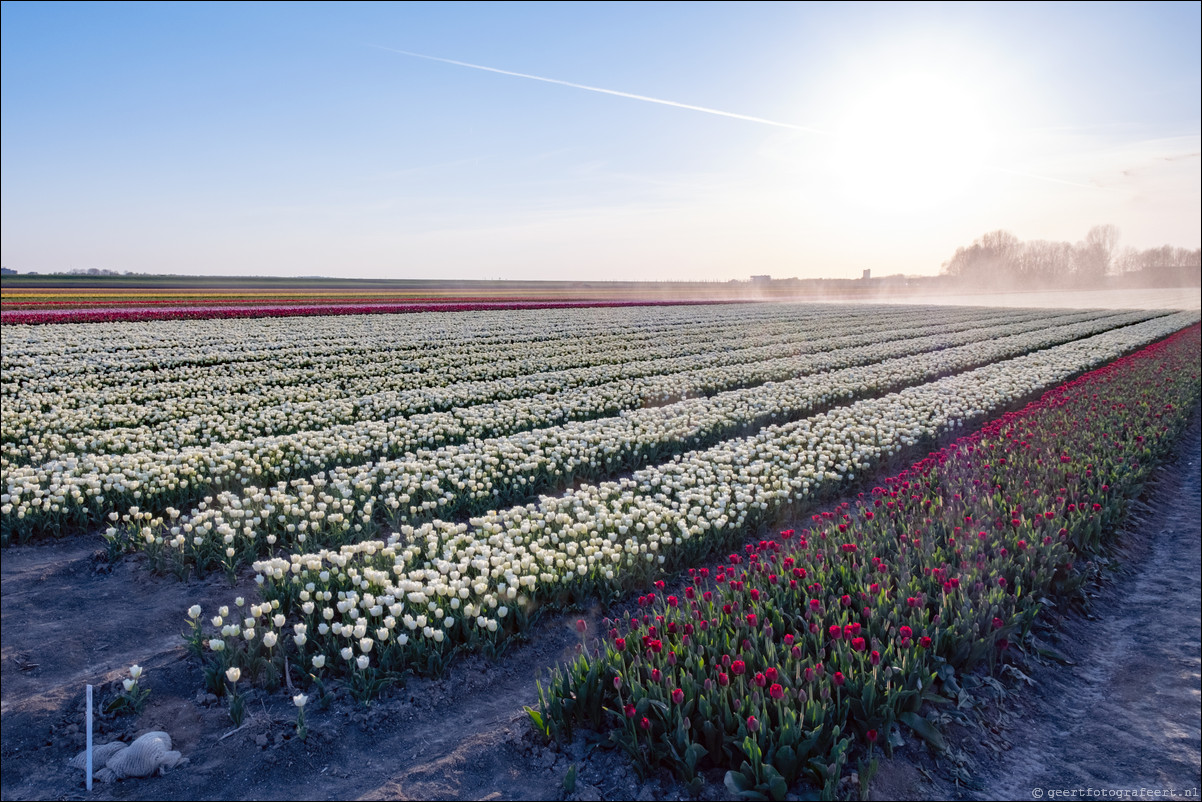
x: 588, y: 141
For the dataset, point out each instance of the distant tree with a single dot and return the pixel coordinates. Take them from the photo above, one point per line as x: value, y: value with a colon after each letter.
x: 990, y: 261
x: 1127, y: 260
x: 1163, y: 266
x: 999, y: 259
x: 1095, y: 255
x: 1049, y: 264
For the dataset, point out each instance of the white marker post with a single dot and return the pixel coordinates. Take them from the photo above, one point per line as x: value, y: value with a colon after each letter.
x: 89, y: 747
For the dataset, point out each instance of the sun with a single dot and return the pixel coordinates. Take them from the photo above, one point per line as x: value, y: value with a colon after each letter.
x: 913, y: 141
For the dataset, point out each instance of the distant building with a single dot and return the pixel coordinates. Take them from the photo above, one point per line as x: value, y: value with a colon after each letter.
x: 867, y: 274
x: 761, y: 279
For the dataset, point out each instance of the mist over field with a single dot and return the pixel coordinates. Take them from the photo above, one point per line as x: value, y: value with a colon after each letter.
x: 1182, y: 298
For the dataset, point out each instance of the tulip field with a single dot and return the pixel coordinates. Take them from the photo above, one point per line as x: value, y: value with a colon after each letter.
x: 38, y: 299
x: 814, y: 640
x: 806, y: 521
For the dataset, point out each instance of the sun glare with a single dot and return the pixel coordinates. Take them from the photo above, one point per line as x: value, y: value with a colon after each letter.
x: 911, y: 141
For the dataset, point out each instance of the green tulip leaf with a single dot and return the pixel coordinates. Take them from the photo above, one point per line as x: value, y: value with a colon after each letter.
x: 925, y: 729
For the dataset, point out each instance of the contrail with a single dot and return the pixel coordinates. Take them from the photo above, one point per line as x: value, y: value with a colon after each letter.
x: 613, y: 92
x: 690, y: 107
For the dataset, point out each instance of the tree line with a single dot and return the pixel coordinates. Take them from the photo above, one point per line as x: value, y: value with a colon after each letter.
x: 1000, y: 260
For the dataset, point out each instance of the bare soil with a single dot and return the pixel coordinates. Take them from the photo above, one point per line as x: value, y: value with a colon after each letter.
x: 1122, y: 714
x: 1126, y: 714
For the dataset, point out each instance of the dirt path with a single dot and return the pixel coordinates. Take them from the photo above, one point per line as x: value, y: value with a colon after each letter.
x: 1125, y: 715
x: 1128, y: 714
x: 69, y: 621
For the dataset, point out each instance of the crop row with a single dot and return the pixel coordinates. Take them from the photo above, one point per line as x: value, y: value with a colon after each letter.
x: 274, y: 310
x: 168, y: 350
x: 404, y: 603
x: 821, y: 643
x: 459, y: 481
x: 270, y: 398
x: 75, y: 492
x: 117, y: 356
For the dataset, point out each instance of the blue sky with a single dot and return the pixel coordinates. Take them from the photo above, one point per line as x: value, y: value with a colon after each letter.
x: 279, y: 139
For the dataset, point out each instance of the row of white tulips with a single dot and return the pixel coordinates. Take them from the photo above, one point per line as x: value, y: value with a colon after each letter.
x: 418, y: 348
x: 79, y: 491
x: 441, y: 582
x: 165, y: 345
x: 183, y: 426
x: 266, y: 399
x: 345, y: 503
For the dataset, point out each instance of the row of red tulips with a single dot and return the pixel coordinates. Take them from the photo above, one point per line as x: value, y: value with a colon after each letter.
x: 179, y: 312
x: 822, y: 641
x: 135, y: 300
